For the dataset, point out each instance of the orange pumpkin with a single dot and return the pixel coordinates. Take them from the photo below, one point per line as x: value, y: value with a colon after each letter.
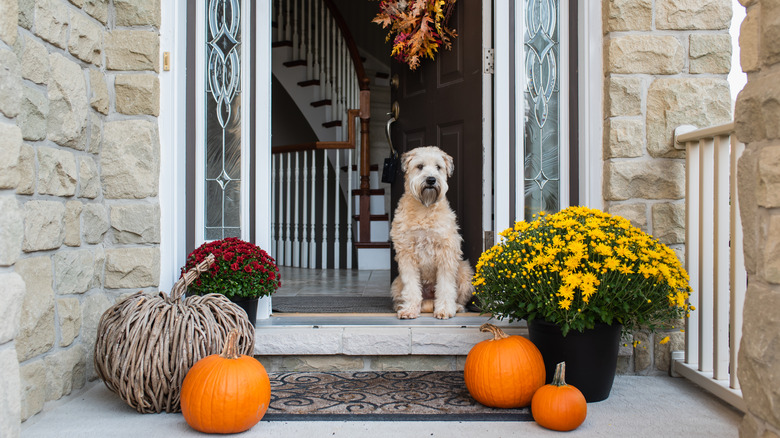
x: 504, y: 372
x: 559, y: 406
x: 225, y: 393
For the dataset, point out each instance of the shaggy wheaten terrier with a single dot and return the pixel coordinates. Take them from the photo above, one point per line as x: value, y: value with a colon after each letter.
x: 432, y: 275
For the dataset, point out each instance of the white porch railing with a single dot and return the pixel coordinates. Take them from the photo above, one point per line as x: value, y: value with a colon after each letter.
x: 714, y: 260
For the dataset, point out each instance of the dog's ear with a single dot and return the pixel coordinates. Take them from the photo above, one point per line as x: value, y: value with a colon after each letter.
x: 405, y: 159
x: 449, y: 163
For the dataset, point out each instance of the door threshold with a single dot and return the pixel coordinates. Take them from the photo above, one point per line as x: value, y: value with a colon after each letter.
x: 317, y: 320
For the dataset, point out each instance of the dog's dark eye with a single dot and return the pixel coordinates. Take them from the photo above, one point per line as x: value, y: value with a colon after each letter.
x: 438, y: 167
x: 420, y: 166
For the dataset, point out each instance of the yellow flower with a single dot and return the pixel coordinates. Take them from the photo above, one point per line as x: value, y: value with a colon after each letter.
x: 664, y: 340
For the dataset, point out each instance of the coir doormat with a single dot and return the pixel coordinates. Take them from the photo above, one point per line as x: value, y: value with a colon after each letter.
x: 379, y: 396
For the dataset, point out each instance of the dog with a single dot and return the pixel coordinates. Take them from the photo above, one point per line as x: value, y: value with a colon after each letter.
x: 432, y: 275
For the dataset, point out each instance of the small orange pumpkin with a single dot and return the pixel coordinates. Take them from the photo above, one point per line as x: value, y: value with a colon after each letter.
x: 225, y: 393
x: 559, y: 406
x: 503, y: 372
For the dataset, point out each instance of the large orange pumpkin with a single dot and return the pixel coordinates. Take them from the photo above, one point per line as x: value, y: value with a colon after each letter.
x: 225, y: 393
x: 559, y: 406
x: 504, y: 372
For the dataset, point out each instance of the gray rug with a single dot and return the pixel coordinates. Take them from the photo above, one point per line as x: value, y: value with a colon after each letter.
x: 332, y: 304
x: 379, y: 396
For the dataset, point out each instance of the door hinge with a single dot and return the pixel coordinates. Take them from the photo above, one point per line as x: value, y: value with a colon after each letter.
x: 487, y: 61
x: 487, y: 240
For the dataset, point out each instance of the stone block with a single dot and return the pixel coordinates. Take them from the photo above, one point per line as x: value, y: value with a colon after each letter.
x: 636, y: 213
x: 9, y: 15
x: 137, y: 12
x: 10, y: 400
x: 710, y: 53
x: 770, y: 32
x: 65, y: 370
x: 73, y: 223
x: 137, y: 94
x: 97, y: 9
x: 662, y: 353
x: 130, y: 159
x: 92, y: 308
x: 769, y: 177
x: 322, y: 341
x: 33, y: 113
x: 322, y: 363
x: 692, y: 14
x: 772, y: 250
x: 758, y: 352
x: 37, y: 327
x: 136, y: 223
x: 747, y: 184
x: 51, y: 22
x: 68, y: 105
x: 10, y: 152
x: 35, y: 61
x: 669, y: 223
x: 643, y: 355
x: 748, y: 40
x: 748, y: 117
x: 95, y: 134
x: 625, y: 138
x: 433, y: 341
x: 10, y: 84
x: 86, y: 39
x: 26, y: 13
x: 134, y: 268
x: 11, y: 296
x: 89, y: 180
x: 33, y: 379
x: 73, y: 271
x: 98, y: 266
x: 375, y: 341
x: 69, y: 318
x: 415, y: 363
x: 11, y: 230
x: 625, y: 15
x: 656, y: 179
x: 623, y: 96
x: 98, y: 91
x: 133, y: 50
x: 672, y: 102
x: 79, y: 3
x: 43, y: 225
x: 27, y: 176
x: 94, y: 218
x: 56, y: 172
x: 649, y: 54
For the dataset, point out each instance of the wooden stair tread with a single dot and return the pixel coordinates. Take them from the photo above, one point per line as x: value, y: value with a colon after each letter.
x: 295, y: 63
x: 372, y: 192
x: 281, y: 44
x: 320, y: 103
x: 372, y: 245
x: 332, y: 124
x: 309, y: 83
x: 374, y: 217
x: 354, y: 167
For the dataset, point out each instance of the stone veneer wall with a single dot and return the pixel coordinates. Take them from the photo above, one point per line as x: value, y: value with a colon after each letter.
x: 757, y: 117
x: 665, y: 65
x: 79, y: 172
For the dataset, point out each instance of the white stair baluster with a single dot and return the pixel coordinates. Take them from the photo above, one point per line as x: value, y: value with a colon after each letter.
x: 349, y: 208
x: 288, y: 201
x: 274, y: 209
x: 325, y: 210
x: 312, y: 229
x: 336, y: 213
x: 295, y: 31
x: 305, y: 217
x: 307, y: 28
x: 316, y: 68
x: 287, y: 26
x: 296, y: 256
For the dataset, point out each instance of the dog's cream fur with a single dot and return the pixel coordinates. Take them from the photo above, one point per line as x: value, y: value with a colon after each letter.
x: 432, y: 275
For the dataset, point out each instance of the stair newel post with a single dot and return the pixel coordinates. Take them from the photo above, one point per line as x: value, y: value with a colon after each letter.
x: 312, y: 230
x: 296, y: 255
x: 288, y: 217
x: 305, y: 216
x: 295, y: 30
x: 365, y: 161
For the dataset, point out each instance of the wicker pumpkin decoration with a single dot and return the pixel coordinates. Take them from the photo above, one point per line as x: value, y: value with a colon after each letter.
x: 147, y: 343
x: 503, y: 372
x: 559, y: 406
x: 225, y: 393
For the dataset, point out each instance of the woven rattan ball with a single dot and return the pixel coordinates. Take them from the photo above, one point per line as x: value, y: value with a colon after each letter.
x: 146, y: 344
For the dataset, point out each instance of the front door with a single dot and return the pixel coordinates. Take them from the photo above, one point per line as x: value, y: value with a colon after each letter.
x: 440, y: 104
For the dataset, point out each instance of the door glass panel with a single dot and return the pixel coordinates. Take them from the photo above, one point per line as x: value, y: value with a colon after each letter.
x: 542, y: 100
x: 223, y: 121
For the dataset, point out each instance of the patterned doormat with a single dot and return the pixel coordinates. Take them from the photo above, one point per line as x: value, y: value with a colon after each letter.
x: 332, y: 304
x: 379, y: 396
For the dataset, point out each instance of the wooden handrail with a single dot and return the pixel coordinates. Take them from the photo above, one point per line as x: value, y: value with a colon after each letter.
x: 319, y: 145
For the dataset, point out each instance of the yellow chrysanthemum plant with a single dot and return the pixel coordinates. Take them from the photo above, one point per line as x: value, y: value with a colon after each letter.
x: 580, y: 267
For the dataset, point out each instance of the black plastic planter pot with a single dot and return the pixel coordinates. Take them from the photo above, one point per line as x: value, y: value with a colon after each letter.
x: 250, y: 307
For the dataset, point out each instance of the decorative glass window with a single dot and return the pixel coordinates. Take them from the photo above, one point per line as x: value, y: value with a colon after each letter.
x: 222, y: 204
x: 542, y: 147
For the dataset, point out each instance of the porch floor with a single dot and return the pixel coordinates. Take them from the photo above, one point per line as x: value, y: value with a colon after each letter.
x: 637, y: 407
x: 344, y: 282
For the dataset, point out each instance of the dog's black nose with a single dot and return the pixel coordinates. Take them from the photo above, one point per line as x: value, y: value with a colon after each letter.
x: 430, y: 180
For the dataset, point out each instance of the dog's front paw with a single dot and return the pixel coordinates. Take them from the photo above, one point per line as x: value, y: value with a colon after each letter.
x: 408, y: 313
x: 443, y: 314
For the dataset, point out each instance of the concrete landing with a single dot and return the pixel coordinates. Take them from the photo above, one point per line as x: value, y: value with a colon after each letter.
x: 637, y: 407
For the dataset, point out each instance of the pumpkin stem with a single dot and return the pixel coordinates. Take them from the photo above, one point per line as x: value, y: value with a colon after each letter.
x: 559, y: 379
x: 230, y: 350
x: 497, y: 332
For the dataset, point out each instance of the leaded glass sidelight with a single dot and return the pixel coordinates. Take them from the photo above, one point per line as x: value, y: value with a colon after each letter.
x: 542, y: 100
x: 223, y: 122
